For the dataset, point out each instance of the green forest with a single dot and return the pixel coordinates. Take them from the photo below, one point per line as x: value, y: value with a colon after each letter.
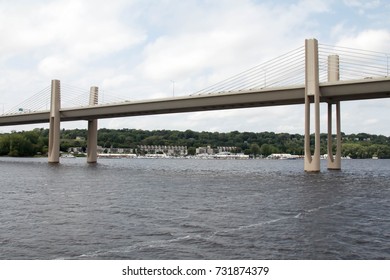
x: 35, y: 142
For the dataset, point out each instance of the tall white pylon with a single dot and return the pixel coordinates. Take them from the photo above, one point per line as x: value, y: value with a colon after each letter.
x: 334, y: 162
x: 55, y: 121
x: 312, y: 93
x: 92, y: 129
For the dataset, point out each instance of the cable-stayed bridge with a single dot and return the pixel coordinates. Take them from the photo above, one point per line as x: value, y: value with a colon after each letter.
x: 308, y: 75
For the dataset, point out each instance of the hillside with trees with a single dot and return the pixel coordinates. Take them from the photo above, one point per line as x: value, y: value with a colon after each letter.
x: 35, y: 142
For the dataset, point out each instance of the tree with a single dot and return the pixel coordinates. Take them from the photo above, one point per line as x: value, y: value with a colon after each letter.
x: 255, y: 149
x: 19, y: 146
x: 191, y: 151
x: 268, y: 149
x: 4, y: 145
x: 29, y: 143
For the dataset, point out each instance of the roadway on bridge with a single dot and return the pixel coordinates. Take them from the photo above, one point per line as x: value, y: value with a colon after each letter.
x: 370, y: 88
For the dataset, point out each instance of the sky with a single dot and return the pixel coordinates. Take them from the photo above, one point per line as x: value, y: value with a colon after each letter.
x: 143, y: 49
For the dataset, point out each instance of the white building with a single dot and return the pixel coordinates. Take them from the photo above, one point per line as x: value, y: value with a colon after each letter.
x: 226, y: 149
x: 282, y: 156
x: 205, y: 150
x: 167, y: 150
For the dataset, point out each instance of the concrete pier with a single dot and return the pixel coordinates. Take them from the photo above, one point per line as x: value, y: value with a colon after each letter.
x: 92, y: 128
x: 55, y: 120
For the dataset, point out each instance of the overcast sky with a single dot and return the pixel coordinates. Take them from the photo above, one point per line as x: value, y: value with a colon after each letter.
x: 134, y: 49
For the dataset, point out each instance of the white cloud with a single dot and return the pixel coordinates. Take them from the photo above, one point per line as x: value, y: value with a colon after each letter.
x: 225, y: 40
x: 371, y: 121
x: 370, y: 39
x: 363, y: 4
x: 134, y: 49
x: 69, y: 40
x: 56, y: 66
x: 67, y: 32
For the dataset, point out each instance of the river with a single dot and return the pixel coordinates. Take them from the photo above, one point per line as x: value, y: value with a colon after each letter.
x: 193, y: 209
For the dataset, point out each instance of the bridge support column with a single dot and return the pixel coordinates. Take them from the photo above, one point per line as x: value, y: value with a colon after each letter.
x: 55, y: 120
x: 334, y: 161
x: 312, y: 92
x: 92, y: 129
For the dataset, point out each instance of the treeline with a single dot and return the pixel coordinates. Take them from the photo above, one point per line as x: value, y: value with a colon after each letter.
x: 25, y: 143
x: 35, y: 142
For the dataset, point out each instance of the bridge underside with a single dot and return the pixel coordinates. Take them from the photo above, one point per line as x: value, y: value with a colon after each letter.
x: 329, y: 92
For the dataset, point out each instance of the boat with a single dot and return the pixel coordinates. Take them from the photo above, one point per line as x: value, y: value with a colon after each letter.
x: 67, y: 156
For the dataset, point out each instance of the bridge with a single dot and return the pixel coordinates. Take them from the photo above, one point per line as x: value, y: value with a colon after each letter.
x: 308, y: 75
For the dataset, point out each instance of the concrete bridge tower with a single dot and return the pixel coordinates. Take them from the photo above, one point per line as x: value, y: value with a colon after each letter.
x: 312, y: 94
x: 334, y: 162
x: 55, y: 120
x: 92, y: 129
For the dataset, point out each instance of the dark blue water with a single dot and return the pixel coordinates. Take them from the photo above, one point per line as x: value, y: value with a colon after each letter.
x: 193, y: 209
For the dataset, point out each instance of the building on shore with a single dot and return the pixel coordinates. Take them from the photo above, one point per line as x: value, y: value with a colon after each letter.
x: 160, y: 149
x: 204, y: 150
x: 112, y: 150
x: 227, y: 149
x: 283, y: 156
x: 219, y: 150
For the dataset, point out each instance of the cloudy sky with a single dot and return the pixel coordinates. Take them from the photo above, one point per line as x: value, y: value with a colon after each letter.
x: 141, y: 49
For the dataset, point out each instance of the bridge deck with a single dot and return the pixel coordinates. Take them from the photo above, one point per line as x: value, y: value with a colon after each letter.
x: 370, y: 88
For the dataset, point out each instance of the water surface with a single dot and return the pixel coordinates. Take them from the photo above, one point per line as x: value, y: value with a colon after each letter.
x: 193, y: 209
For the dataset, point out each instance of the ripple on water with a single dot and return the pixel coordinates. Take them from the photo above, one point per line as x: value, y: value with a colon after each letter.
x: 193, y: 209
